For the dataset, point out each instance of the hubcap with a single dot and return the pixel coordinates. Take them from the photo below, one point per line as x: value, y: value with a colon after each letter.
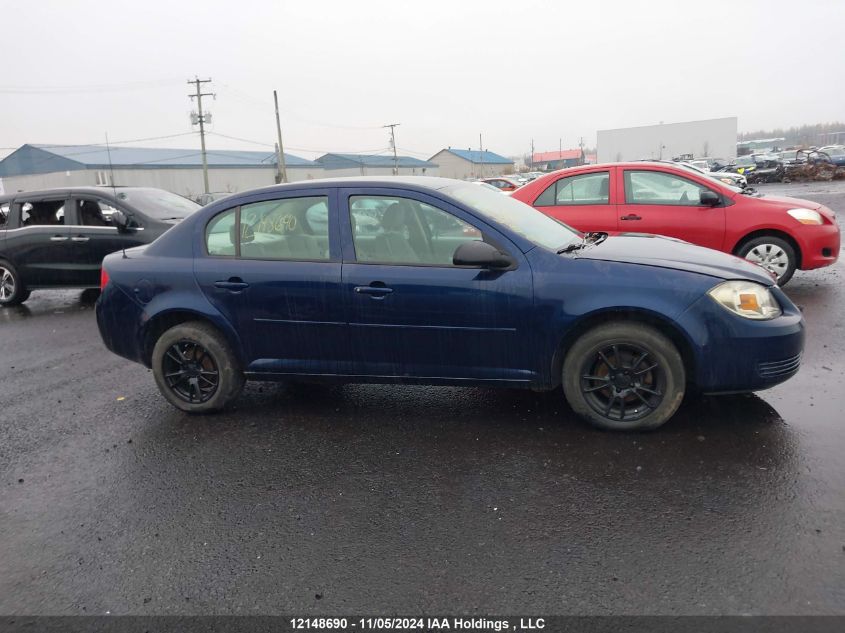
x: 190, y: 371
x: 623, y: 382
x: 771, y: 257
x: 7, y: 284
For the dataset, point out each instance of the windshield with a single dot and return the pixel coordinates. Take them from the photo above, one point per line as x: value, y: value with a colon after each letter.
x: 515, y: 215
x: 158, y: 203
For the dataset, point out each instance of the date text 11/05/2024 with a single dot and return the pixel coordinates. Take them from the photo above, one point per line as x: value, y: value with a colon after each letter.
x: 425, y: 624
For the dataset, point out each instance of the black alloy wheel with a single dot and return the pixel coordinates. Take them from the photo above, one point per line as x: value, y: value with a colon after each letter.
x: 624, y: 376
x: 190, y: 371
x: 623, y: 382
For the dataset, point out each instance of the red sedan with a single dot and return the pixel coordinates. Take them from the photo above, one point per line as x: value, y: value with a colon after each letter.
x: 780, y: 234
x: 502, y: 184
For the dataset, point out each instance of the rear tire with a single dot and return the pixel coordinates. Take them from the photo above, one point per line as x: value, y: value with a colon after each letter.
x: 772, y: 253
x: 195, y: 368
x: 624, y: 377
x: 12, y: 289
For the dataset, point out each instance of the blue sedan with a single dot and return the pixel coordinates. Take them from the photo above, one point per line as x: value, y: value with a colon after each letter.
x: 436, y: 281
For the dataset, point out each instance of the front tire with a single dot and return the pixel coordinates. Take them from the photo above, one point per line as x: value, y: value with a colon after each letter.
x: 195, y: 368
x: 772, y: 253
x: 624, y: 377
x: 12, y: 289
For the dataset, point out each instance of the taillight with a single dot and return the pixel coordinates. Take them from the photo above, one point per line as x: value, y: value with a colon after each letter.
x: 104, y: 278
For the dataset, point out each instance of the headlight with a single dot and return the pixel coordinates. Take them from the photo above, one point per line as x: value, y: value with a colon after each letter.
x: 806, y: 216
x: 747, y: 299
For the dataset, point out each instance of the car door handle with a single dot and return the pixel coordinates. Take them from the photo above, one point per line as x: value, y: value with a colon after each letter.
x: 58, y: 238
x: 631, y: 216
x: 234, y: 284
x: 376, y: 292
x: 79, y: 238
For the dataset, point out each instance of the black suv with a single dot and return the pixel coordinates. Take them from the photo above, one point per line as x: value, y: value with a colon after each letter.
x: 58, y: 237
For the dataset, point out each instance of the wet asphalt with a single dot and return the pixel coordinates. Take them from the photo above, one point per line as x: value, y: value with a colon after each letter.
x: 386, y: 499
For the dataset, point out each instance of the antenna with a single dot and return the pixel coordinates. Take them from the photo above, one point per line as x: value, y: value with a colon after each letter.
x: 111, y: 167
x: 111, y: 177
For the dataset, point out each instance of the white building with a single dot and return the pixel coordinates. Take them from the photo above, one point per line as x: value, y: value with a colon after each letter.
x: 465, y: 164
x: 33, y: 167
x: 714, y: 138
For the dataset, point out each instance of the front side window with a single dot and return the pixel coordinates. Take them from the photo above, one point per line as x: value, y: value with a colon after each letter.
x: 583, y: 189
x: 286, y: 229
x: 43, y: 213
x: 655, y: 187
x: 4, y: 213
x: 395, y: 230
x: 94, y: 213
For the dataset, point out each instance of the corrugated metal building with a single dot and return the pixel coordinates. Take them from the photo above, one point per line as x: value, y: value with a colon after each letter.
x: 469, y: 164
x: 713, y: 138
x: 33, y: 167
x: 374, y: 165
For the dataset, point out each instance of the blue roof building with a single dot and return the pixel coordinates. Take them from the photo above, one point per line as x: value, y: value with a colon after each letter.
x: 32, y: 167
x: 375, y: 165
x: 470, y: 164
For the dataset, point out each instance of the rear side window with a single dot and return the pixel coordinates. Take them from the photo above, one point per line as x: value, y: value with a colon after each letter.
x: 4, y: 213
x: 43, y: 213
x: 584, y: 189
x: 220, y: 235
x: 287, y: 229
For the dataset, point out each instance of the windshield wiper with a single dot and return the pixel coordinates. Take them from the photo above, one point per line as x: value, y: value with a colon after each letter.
x: 589, y: 239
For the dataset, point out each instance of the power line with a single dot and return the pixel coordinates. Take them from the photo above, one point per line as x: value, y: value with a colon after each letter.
x: 137, y: 85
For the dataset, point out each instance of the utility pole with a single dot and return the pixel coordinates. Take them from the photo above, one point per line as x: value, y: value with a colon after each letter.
x: 392, y: 127
x: 202, y: 120
x: 481, y: 154
x: 581, y: 145
x: 283, y: 172
x: 531, y: 160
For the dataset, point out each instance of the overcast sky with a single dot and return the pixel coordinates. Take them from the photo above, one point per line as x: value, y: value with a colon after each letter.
x: 74, y: 71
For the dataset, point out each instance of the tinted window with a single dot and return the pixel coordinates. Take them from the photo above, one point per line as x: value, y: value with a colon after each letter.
x: 43, y: 213
x: 577, y: 190
x: 654, y: 187
x: 395, y: 230
x: 94, y: 213
x: 4, y: 213
x: 220, y: 234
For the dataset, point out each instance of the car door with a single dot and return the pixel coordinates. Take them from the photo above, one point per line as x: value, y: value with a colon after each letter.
x: 585, y: 201
x: 667, y: 203
x: 37, y: 241
x: 93, y: 235
x: 411, y: 312
x: 272, y: 267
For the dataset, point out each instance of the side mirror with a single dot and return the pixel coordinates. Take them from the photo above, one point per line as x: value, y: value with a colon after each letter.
x: 710, y: 198
x: 120, y: 220
x: 480, y: 254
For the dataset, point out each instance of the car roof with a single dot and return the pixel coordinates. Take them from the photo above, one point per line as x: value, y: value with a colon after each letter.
x: 69, y: 190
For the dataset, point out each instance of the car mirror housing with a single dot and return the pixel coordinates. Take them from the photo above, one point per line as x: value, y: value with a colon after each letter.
x: 710, y: 198
x: 480, y: 254
x: 120, y: 220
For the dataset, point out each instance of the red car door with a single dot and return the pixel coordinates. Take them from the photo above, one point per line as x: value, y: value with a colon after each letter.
x: 664, y: 202
x: 584, y: 201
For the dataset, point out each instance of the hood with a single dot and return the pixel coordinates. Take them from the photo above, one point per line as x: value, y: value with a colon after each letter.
x: 790, y: 203
x: 667, y: 252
